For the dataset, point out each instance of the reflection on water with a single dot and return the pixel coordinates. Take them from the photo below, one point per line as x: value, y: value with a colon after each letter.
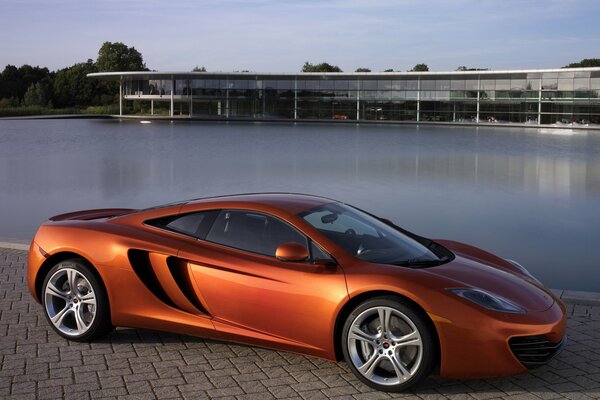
x: 532, y: 195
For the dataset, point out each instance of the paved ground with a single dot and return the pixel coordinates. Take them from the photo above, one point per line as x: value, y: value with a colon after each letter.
x: 37, y: 363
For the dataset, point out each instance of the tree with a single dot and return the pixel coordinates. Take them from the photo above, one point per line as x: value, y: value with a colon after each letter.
x: 323, y: 67
x: 14, y: 81
x: 362, y: 69
x: 72, y: 87
x: 389, y: 70
x: 199, y: 69
x: 119, y: 57
x: 420, y: 68
x: 586, y: 62
x: 36, y: 95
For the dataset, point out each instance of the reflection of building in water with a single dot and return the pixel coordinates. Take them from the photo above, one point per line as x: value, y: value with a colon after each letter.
x: 560, y: 177
x: 559, y: 96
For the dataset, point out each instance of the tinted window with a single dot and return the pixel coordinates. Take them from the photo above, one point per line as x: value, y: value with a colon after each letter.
x: 317, y: 253
x: 188, y: 224
x: 254, y: 232
x: 366, y: 237
x: 193, y: 224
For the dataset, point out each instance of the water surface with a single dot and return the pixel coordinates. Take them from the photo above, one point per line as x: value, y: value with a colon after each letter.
x: 528, y: 194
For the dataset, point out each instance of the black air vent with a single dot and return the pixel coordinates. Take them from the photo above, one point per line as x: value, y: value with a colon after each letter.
x: 179, y: 271
x: 534, y: 351
x: 140, y: 262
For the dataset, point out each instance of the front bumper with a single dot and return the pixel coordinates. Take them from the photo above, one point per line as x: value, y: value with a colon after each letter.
x: 481, y: 347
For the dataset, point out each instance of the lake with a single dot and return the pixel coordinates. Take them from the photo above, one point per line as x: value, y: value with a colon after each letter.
x: 532, y: 195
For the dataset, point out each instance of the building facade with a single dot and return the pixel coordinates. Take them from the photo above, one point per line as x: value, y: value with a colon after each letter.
x: 537, y: 97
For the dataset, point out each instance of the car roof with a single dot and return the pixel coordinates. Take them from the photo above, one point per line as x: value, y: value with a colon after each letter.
x: 293, y: 203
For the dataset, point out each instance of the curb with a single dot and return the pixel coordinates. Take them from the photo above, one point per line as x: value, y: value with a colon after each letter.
x: 578, y: 297
x: 14, y: 246
x: 567, y: 296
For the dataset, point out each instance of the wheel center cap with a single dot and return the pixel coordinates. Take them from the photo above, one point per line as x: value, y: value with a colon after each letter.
x: 386, y: 345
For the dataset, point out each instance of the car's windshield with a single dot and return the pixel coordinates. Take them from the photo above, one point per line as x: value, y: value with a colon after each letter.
x: 366, y: 237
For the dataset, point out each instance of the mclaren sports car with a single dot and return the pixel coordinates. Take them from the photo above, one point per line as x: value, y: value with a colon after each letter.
x: 297, y: 273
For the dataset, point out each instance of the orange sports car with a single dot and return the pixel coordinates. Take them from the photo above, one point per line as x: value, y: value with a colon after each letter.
x: 299, y: 273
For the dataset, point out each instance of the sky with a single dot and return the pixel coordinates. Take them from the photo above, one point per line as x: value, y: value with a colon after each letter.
x: 280, y: 35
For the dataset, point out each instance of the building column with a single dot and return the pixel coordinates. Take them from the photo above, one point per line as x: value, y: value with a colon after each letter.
x: 418, y: 98
x: 121, y: 97
x: 151, y: 107
x: 172, y: 98
x: 227, y: 98
x: 539, y: 114
x: 478, y: 96
x: 190, y: 94
x: 296, y: 98
x: 358, y: 100
x: 264, y: 105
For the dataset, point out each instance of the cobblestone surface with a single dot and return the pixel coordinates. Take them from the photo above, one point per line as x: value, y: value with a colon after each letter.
x: 137, y: 364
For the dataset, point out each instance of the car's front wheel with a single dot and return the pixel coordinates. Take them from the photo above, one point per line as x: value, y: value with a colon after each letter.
x: 75, y: 302
x: 387, y: 344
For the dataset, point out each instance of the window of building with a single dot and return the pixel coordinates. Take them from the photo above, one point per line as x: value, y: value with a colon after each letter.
x: 368, y: 85
x: 442, y: 84
x: 488, y: 84
x: 457, y: 84
x: 427, y: 84
x: 581, y: 83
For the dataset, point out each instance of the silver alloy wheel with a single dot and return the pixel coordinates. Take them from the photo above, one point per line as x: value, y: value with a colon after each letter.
x: 385, y: 346
x: 70, y: 301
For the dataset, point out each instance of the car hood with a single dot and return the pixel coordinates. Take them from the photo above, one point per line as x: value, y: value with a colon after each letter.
x: 469, y: 270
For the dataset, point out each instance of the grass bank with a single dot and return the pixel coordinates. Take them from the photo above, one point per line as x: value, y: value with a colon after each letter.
x: 23, y: 111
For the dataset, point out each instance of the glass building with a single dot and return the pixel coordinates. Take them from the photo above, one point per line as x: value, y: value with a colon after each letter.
x: 557, y: 96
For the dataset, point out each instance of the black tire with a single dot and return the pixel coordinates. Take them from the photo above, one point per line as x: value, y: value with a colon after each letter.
x: 420, y: 366
x: 99, y: 322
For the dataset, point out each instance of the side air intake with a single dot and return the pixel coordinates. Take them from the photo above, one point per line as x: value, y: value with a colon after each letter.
x: 181, y: 274
x: 140, y: 262
x: 534, y: 351
x: 168, y: 279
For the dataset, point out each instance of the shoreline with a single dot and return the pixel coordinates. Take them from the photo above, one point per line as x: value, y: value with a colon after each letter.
x: 185, y: 118
x: 567, y: 296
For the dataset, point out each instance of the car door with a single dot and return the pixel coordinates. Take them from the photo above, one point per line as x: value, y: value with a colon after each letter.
x: 249, y: 292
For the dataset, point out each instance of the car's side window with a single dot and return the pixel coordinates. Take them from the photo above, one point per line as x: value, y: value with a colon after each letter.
x: 318, y: 254
x: 253, y: 232
x: 194, y: 224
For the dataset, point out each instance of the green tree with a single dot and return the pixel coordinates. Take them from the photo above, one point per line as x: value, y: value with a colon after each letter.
x: 199, y: 69
x: 420, y: 68
x: 119, y: 57
x: 14, y: 81
x: 36, y: 95
x: 362, y: 69
x: 323, y: 67
x: 389, y: 70
x: 586, y: 62
x: 72, y: 87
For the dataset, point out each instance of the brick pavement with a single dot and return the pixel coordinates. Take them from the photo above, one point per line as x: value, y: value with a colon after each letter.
x: 130, y: 364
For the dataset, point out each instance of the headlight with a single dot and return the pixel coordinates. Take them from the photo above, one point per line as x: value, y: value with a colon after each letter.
x: 487, y: 300
x: 523, y: 270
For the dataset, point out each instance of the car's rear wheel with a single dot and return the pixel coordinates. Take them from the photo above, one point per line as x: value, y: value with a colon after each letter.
x: 388, y: 345
x: 75, y: 302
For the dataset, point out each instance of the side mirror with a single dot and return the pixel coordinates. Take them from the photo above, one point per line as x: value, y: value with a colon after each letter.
x: 291, y: 252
